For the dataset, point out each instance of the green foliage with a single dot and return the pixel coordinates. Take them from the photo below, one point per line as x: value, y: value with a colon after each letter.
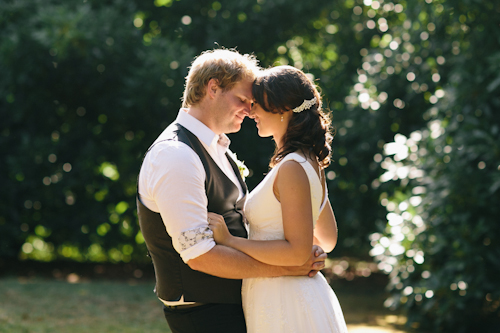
x: 89, y: 85
x: 442, y: 180
x: 84, y: 96
x: 413, y: 86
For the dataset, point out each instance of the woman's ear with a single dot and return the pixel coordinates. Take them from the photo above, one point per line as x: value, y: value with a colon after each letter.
x: 212, y: 87
x: 287, y: 116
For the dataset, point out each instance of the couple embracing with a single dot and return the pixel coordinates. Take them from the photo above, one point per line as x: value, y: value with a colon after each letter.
x: 226, y: 260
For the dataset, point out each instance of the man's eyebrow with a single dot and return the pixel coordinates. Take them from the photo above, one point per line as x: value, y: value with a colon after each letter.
x: 250, y: 98
x: 245, y: 97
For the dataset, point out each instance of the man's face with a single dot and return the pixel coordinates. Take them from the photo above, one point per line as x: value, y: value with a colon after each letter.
x: 233, y: 106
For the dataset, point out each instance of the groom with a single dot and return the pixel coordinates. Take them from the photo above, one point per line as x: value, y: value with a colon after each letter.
x: 187, y: 173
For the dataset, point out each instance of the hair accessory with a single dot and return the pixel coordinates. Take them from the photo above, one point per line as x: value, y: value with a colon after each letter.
x: 306, y: 105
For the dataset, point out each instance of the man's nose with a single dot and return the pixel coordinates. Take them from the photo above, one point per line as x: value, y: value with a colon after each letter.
x: 248, y: 108
x: 251, y: 114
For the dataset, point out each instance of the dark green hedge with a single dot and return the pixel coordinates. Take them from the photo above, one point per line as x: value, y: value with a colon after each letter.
x: 413, y: 87
x: 87, y: 85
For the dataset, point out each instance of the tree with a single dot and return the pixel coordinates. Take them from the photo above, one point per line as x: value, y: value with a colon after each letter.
x: 86, y: 86
x: 89, y: 85
x: 442, y: 180
x: 81, y: 90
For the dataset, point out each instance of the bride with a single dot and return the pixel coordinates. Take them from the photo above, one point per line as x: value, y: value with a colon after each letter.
x: 289, y: 210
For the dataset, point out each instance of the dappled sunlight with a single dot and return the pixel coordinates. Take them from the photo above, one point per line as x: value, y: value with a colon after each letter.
x: 412, y: 88
x: 381, y: 324
x: 348, y: 268
x: 109, y: 170
x: 371, y: 329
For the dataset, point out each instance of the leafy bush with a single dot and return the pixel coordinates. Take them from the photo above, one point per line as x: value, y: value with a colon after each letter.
x: 87, y: 86
x: 442, y: 181
x: 413, y: 87
x: 82, y: 96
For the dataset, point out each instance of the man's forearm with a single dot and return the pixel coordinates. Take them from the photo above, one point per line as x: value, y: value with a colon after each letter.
x: 228, y: 263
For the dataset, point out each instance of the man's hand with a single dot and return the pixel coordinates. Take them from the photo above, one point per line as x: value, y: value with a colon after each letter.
x: 312, y: 266
x: 318, y: 258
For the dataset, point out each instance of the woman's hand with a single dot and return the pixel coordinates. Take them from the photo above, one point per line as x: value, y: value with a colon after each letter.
x: 219, y: 228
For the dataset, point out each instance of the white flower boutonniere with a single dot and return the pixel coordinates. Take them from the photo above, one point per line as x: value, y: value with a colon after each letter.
x: 244, y: 172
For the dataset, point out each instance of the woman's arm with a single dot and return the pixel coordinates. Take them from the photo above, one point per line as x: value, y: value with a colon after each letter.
x: 228, y: 263
x: 292, y: 185
x: 325, y: 231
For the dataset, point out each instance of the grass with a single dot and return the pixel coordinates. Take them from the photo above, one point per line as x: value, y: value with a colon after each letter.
x: 61, y: 300
x: 39, y: 305
x: 362, y: 302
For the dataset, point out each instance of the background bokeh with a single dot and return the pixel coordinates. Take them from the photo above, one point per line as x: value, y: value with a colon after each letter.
x: 414, y: 93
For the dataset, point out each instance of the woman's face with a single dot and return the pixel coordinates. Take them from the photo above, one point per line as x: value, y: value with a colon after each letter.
x: 268, y: 124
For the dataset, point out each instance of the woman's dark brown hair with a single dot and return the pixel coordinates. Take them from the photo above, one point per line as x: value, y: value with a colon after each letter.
x: 281, y: 89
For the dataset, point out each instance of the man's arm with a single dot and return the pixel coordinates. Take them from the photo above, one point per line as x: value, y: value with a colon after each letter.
x: 226, y: 262
x: 295, y: 247
x: 178, y: 189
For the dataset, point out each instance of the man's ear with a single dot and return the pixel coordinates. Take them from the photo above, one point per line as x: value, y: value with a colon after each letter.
x: 212, y: 87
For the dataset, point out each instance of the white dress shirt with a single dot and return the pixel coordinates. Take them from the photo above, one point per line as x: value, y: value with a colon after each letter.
x: 172, y: 183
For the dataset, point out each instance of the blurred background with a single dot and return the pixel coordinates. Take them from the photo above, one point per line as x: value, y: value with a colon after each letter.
x: 413, y: 88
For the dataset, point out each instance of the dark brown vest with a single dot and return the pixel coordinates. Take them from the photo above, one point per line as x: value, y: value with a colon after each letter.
x: 173, y: 277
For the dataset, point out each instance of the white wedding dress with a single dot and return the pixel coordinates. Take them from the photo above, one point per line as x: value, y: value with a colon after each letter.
x: 287, y: 304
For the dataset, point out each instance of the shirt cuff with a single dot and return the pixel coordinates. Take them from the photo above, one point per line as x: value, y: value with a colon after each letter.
x: 195, y: 242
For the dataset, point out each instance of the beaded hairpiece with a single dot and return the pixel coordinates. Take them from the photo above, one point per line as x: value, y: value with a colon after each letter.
x: 306, y: 105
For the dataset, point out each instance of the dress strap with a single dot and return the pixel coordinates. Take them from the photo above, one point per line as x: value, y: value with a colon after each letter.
x: 325, y: 194
x: 325, y: 199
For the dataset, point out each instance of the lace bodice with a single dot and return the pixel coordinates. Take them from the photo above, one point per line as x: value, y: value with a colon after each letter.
x: 263, y: 210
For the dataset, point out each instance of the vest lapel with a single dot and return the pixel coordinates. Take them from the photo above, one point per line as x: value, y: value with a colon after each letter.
x: 196, y: 142
x: 238, y: 174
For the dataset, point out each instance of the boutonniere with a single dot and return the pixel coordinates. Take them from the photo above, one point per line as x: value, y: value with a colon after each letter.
x: 244, y: 172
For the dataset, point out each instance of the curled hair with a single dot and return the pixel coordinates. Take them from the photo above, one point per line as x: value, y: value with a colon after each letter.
x: 281, y: 89
x: 228, y: 67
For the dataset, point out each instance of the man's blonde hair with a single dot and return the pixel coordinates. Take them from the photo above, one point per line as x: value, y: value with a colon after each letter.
x: 228, y: 67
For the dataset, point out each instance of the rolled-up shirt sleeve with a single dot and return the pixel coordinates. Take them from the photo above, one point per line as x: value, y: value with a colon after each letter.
x: 172, y: 182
